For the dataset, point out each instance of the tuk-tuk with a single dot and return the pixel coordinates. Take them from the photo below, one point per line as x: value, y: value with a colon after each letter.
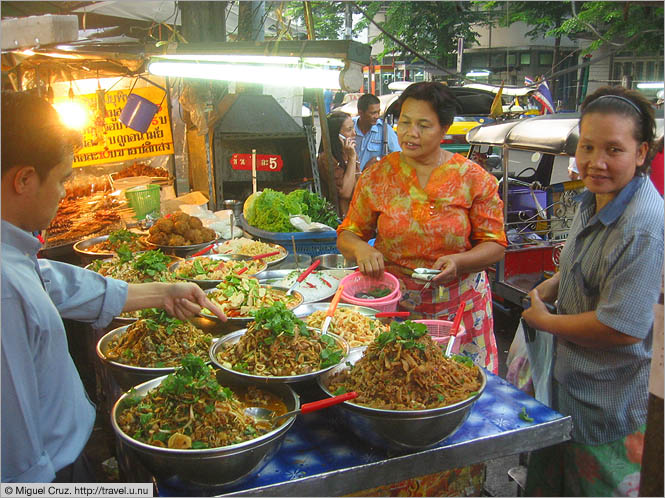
x: 530, y: 157
x: 538, y: 196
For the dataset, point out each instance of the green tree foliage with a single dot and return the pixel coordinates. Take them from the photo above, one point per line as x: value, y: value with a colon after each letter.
x: 328, y: 18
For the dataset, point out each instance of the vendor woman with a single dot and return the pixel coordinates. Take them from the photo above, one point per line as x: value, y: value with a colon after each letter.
x: 428, y: 207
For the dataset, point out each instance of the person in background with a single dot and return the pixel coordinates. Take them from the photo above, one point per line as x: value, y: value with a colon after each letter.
x: 608, y: 281
x: 47, y: 417
x: 657, y: 167
x: 369, y: 130
x: 428, y: 207
x: 345, y: 161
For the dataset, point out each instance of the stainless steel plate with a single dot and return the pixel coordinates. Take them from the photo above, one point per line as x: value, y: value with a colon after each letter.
x: 208, y: 284
x: 247, y: 319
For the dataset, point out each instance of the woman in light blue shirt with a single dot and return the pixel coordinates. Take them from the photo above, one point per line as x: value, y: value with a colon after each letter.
x: 608, y: 281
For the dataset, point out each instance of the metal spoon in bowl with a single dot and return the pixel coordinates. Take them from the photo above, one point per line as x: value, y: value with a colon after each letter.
x: 265, y: 415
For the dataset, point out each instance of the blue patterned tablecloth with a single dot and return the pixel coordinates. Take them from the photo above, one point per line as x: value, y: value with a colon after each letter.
x: 319, y: 448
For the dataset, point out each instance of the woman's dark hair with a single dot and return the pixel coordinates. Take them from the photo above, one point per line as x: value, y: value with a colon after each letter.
x: 441, y: 99
x: 33, y: 134
x: 630, y: 104
x: 335, y: 121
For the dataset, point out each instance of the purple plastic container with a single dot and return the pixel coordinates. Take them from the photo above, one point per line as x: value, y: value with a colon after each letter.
x: 138, y: 113
x: 520, y: 199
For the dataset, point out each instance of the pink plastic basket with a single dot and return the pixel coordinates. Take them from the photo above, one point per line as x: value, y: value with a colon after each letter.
x: 390, y: 305
x: 357, y: 282
x: 440, y: 332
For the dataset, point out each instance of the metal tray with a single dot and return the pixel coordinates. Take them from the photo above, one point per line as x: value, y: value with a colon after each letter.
x: 234, y: 337
x: 276, y: 247
x: 209, y: 284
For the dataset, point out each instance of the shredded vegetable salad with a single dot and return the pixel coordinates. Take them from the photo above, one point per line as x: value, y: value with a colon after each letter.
x: 248, y: 247
x: 403, y: 369
x: 191, y: 410
x: 355, y: 328
x: 157, y: 341
x: 122, y: 240
x: 149, y: 266
x: 205, y: 268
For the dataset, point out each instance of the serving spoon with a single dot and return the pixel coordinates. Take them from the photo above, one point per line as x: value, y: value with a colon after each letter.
x: 261, y: 414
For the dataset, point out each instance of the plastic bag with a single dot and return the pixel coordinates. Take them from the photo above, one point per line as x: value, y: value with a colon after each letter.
x: 519, y: 368
x: 303, y: 224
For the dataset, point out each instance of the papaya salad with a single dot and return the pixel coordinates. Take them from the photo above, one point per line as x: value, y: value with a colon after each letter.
x: 355, y: 328
x: 278, y: 344
x: 149, y: 266
x: 239, y: 296
x: 403, y: 369
x: 205, y: 268
x: 157, y: 340
x: 248, y: 247
x: 191, y: 410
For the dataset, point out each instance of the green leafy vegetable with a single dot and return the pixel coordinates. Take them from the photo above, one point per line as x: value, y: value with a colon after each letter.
x: 272, y: 209
x: 524, y: 415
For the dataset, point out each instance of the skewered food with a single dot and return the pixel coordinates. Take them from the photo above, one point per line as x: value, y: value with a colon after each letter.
x: 141, y: 169
x: 180, y: 229
x: 191, y: 410
x: 279, y: 344
x: 403, y: 369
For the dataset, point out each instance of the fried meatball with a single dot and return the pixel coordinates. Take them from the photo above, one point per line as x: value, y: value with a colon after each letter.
x: 154, y: 229
x: 159, y: 238
x: 165, y: 225
x: 180, y: 227
x: 180, y: 216
x: 208, y: 234
x: 195, y: 223
x: 194, y: 236
x: 176, y: 240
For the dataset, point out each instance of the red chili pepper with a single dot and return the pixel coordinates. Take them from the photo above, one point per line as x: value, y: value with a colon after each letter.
x: 241, y: 271
x: 312, y: 286
x: 326, y: 282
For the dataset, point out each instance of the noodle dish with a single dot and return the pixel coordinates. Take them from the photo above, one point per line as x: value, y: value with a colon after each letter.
x: 122, y: 240
x: 148, y: 266
x: 355, y: 328
x: 249, y: 247
x: 190, y: 410
x: 403, y: 369
x: 157, y: 340
x: 278, y: 344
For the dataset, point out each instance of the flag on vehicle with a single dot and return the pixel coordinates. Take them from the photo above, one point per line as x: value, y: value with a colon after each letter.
x: 497, y: 104
x: 528, y: 81
x: 544, y: 97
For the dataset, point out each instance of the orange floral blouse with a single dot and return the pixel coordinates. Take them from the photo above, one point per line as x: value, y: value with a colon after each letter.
x: 459, y: 208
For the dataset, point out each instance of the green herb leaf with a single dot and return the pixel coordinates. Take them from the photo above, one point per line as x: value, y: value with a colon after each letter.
x: 524, y: 415
x: 199, y: 445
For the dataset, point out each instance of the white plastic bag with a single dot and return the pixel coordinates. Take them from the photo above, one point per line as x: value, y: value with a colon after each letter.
x: 302, y: 223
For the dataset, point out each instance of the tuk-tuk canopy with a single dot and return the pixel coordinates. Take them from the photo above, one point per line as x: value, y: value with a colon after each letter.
x: 554, y: 134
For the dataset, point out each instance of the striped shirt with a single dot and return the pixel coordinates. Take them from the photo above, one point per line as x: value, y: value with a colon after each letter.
x: 612, y: 263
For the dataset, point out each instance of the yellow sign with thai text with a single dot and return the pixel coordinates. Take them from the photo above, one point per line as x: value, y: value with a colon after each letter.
x: 107, y: 140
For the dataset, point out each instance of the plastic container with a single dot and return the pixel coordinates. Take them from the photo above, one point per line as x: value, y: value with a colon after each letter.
x: 138, y: 113
x: 143, y: 200
x: 440, y: 332
x: 520, y: 199
x: 310, y: 243
x: 390, y: 305
x: 357, y: 282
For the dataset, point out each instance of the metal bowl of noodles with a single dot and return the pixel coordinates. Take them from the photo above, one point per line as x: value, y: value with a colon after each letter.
x: 230, y: 340
x: 125, y: 375
x: 401, y: 430
x: 206, y: 283
x: 207, y: 467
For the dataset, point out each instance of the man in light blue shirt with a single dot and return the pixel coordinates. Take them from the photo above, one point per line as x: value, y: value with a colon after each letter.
x: 370, y: 130
x: 47, y: 417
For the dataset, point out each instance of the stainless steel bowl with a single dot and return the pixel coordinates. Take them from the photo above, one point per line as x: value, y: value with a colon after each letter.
x: 401, y: 430
x: 126, y: 376
x: 309, y: 308
x: 234, y: 337
x: 87, y: 257
x: 225, y: 465
x: 209, y: 284
x: 182, y: 251
x: 336, y: 262
x: 225, y: 246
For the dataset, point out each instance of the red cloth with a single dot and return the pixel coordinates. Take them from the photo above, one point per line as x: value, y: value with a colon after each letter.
x: 657, y: 172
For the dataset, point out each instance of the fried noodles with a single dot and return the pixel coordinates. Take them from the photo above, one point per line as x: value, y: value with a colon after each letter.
x: 279, y: 344
x: 357, y: 329
x: 403, y: 369
x: 158, y: 341
x: 190, y: 410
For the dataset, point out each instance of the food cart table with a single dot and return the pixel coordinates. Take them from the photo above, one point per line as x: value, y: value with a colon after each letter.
x: 320, y: 457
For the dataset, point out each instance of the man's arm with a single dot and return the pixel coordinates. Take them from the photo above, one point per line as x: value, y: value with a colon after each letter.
x: 182, y: 300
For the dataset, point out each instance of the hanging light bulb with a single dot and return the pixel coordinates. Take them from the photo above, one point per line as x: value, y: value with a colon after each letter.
x: 73, y: 113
